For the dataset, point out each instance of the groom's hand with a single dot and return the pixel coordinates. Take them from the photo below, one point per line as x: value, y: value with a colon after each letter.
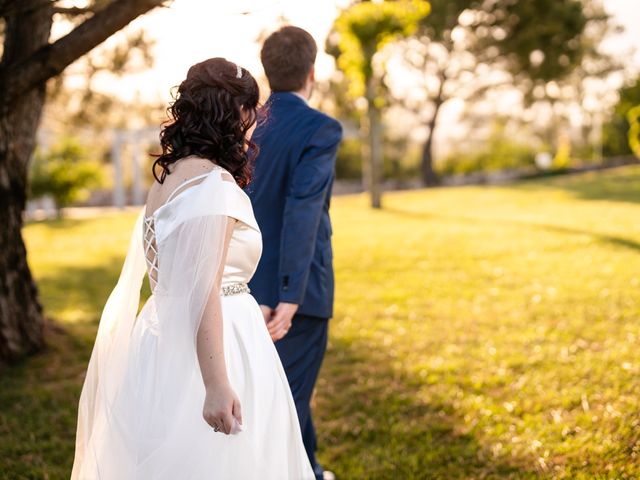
x: 281, y: 320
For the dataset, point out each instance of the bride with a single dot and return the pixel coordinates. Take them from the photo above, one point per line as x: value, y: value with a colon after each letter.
x: 192, y: 387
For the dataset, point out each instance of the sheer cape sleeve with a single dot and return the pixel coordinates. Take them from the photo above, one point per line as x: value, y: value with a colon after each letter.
x: 109, y: 359
x: 143, y: 385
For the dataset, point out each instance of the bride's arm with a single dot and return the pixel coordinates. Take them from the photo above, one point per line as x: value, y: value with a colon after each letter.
x: 221, y: 403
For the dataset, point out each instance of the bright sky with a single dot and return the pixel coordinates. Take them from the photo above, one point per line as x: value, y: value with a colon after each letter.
x: 194, y: 30
x: 627, y: 14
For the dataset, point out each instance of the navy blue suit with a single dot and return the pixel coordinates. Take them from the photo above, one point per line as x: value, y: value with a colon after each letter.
x: 291, y: 193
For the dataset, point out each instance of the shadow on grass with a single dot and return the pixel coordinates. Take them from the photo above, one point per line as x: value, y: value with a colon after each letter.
x: 373, y: 424
x: 38, y: 408
x: 600, y: 237
x: 616, y: 185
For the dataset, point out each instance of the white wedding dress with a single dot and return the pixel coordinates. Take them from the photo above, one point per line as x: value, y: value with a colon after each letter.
x: 140, y: 412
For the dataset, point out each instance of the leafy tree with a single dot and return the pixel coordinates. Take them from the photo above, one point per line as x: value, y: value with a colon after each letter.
x: 634, y: 129
x: 501, y: 151
x: 616, y: 130
x: 29, y: 60
x: 359, y: 33
x: 537, y: 41
x: 462, y: 42
x: 74, y: 105
x: 64, y: 173
x: 433, y: 55
x: 552, y: 92
x: 349, y: 161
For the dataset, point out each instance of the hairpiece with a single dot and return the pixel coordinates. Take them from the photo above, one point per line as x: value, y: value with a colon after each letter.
x: 239, y: 72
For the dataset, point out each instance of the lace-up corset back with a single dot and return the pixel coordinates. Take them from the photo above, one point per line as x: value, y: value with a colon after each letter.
x: 150, y: 250
x: 149, y: 232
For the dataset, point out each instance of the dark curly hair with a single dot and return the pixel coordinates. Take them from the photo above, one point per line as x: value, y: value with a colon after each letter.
x: 209, y: 118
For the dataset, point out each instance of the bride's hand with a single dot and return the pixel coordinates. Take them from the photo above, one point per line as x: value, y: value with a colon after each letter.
x: 222, y: 408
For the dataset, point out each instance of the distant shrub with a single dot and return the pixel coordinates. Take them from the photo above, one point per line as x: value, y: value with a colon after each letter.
x: 509, y: 156
x: 562, y: 158
x: 400, y: 160
x: 634, y: 130
x: 64, y: 172
x: 499, y: 153
x: 349, y: 160
x: 616, y: 129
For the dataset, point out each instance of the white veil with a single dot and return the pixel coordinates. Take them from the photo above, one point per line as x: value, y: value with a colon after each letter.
x: 143, y: 374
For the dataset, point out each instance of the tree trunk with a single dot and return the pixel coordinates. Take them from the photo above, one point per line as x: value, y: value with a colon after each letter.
x: 28, y: 61
x: 372, y: 146
x: 429, y: 176
x: 21, y: 320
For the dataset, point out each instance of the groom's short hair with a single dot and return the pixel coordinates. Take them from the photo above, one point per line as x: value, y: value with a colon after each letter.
x: 287, y: 57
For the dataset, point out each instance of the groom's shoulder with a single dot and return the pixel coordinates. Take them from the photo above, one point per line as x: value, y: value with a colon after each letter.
x: 287, y: 112
x: 325, y: 122
x: 323, y: 118
x: 293, y: 106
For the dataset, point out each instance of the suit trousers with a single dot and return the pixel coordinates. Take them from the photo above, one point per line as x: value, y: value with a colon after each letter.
x: 301, y: 351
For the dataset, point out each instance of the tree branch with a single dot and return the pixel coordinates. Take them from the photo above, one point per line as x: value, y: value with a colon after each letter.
x: 18, y: 79
x: 73, y: 10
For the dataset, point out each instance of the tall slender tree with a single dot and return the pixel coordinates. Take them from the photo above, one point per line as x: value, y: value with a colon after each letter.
x: 359, y: 33
x: 459, y: 45
x: 439, y: 68
x: 29, y: 59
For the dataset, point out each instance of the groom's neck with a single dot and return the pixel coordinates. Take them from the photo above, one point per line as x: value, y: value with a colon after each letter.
x: 304, y: 93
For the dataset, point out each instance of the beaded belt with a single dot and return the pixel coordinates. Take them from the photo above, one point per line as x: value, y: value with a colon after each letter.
x: 234, y: 289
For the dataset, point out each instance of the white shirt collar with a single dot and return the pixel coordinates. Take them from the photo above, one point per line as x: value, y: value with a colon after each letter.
x: 300, y: 96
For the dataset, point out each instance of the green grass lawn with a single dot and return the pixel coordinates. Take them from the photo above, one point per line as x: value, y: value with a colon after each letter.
x: 481, y: 332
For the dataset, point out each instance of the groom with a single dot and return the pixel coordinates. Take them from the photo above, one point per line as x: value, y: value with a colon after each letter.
x: 290, y: 193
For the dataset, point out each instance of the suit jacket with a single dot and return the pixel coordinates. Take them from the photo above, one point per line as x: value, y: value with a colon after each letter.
x: 291, y: 193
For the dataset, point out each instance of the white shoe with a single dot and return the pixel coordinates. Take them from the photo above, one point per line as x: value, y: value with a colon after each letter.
x: 327, y: 475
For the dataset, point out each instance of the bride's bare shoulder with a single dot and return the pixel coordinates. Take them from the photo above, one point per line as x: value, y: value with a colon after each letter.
x: 193, y: 166
x: 194, y: 163
x: 177, y: 179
